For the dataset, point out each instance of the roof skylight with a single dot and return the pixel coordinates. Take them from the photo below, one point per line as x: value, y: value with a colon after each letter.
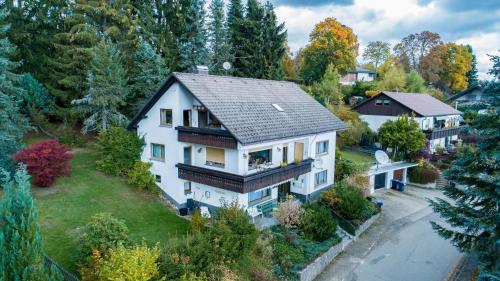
x: 277, y: 107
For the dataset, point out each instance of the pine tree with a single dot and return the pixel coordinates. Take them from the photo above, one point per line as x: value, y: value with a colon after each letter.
x: 36, y: 96
x: 252, y: 50
x: 13, y: 124
x: 474, y: 213
x: 150, y: 71
x: 107, y: 89
x: 472, y: 77
x: 236, y: 35
x: 275, y: 47
x: 21, y: 255
x: 218, y: 38
x: 193, y: 51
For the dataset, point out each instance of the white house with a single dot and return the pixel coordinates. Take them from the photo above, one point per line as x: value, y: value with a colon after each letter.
x: 358, y: 74
x: 438, y: 120
x: 220, y: 138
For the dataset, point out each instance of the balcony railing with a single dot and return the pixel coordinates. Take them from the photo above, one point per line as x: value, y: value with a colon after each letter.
x: 444, y: 132
x: 240, y: 183
x: 211, y: 137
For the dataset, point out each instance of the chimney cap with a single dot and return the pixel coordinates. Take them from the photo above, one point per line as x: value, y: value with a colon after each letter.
x: 201, y: 69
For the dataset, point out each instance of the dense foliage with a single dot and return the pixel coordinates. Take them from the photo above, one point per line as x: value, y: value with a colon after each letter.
x: 101, y: 233
x: 119, y: 150
x: 349, y: 203
x: 473, y: 212
x: 423, y: 173
x: 21, y: 253
x: 140, y: 176
x: 46, y: 161
x: 402, y: 135
x: 318, y: 223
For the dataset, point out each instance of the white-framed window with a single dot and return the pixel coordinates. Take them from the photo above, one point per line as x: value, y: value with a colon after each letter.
x: 215, y: 157
x: 387, y: 102
x: 258, y: 196
x: 187, y: 187
x: 320, y: 178
x: 322, y: 147
x: 157, y: 152
x: 378, y: 102
x: 166, y: 117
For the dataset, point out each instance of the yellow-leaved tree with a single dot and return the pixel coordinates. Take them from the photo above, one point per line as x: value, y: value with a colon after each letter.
x: 330, y: 42
x: 131, y: 264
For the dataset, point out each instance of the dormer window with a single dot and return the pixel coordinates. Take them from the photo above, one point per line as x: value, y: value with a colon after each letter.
x: 387, y: 102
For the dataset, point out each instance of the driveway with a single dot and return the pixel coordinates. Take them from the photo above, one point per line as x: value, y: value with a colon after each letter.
x: 401, y: 246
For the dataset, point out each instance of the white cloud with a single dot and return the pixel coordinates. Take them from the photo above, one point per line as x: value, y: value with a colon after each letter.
x: 390, y: 20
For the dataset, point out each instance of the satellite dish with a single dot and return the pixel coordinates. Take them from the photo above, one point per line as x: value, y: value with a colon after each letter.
x: 226, y: 65
x: 381, y: 157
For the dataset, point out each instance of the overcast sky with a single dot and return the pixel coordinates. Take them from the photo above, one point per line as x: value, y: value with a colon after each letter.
x: 474, y: 22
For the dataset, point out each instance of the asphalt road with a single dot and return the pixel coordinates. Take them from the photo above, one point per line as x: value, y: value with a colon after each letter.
x: 401, y: 246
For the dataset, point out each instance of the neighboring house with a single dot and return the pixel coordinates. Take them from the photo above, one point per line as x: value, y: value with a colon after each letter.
x: 438, y: 120
x: 220, y: 138
x: 469, y: 96
x: 359, y: 74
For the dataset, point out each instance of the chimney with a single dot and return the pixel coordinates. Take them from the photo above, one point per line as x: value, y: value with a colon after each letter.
x: 201, y: 69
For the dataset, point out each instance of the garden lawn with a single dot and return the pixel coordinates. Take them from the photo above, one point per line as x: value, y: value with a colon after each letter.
x: 67, y: 206
x: 358, y: 157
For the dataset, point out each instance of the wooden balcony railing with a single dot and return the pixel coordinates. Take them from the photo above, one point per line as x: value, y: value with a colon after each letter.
x: 211, y: 137
x: 243, y: 184
x: 444, y: 132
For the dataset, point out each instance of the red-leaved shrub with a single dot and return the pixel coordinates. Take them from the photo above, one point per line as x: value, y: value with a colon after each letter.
x: 45, y: 161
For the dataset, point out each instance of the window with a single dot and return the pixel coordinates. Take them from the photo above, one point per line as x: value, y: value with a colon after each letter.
x: 378, y: 102
x: 285, y: 154
x: 260, y: 157
x: 320, y: 178
x: 322, y: 147
x: 387, y: 102
x: 278, y: 108
x: 158, y: 152
x: 166, y: 117
x: 158, y: 178
x: 187, y: 187
x: 258, y: 196
x: 215, y: 157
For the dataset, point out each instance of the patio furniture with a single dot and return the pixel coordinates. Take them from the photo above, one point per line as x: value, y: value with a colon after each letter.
x: 266, y: 207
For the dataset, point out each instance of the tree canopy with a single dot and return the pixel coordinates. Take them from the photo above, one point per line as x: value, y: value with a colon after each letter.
x: 376, y: 53
x: 402, y: 135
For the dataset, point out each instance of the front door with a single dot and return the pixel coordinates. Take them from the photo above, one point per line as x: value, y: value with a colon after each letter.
x: 283, y: 191
x: 380, y: 181
x: 187, y: 155
x: 299, y: 152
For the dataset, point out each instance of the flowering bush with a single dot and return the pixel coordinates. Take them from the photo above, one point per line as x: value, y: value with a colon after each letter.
x: 289, y: 214
x: 45, y: 161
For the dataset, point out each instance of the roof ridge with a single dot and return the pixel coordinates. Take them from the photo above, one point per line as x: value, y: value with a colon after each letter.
x: 232, y: 77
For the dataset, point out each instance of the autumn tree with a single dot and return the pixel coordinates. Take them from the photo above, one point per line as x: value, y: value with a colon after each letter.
x: 394, y: 79
x: 376, y: 53
x: 288, y: 64
x: 330, y: 42
x: 414, y: 47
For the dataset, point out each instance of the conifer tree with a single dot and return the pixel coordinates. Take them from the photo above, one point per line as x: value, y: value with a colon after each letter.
x: 474, y: 213
x: 107, y: 90
x: 252, y: 50
x: 472, y: 77
x: 150, y: 71
x: 236, y: 36
x: 21, y: 255
x: 192, y: 41
x: 218, y: 37
x: 275, y: 47
x: 13, y: 124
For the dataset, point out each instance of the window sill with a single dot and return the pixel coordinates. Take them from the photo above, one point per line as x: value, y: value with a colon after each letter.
x: 166, y: 125
x: 322, y: 154
x: 157, y: 159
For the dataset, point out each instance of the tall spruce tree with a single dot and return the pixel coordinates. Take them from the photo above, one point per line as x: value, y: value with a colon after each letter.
x: 150, y: 71
x: 107, y: 89
x: 21, y: 255
x: 13, y: 124
x: 275, y: 47
x: 236, y: 36
x: 472, y: 77
x: 474, y: 210
x: 217, y: 37
x: 192, y: 41
x: 252, y: 50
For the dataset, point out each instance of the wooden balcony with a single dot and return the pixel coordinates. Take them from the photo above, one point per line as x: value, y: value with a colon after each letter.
x: 211, y: 137
x: 243, y: 184
x: 442, y: 133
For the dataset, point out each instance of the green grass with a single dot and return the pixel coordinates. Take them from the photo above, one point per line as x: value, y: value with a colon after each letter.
x: 358, y: 157
x: 67, y: 206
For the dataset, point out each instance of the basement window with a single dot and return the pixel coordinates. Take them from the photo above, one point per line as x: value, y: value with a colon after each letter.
x: 277, y: 107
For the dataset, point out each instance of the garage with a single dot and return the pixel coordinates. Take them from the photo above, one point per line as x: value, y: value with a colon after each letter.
x: 380, y: 180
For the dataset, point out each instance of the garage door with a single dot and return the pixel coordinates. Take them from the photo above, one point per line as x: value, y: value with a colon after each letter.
x: 380, y: 180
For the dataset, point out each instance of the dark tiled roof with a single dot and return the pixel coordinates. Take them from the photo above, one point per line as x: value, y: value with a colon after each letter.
x: 463, y: 93
x: 245, y: 107
x: 423, y: 104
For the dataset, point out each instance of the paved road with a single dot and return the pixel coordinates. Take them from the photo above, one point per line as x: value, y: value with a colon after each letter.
x: 401, y: 246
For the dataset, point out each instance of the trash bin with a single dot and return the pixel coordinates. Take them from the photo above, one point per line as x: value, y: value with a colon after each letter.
x: 398, y: 185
